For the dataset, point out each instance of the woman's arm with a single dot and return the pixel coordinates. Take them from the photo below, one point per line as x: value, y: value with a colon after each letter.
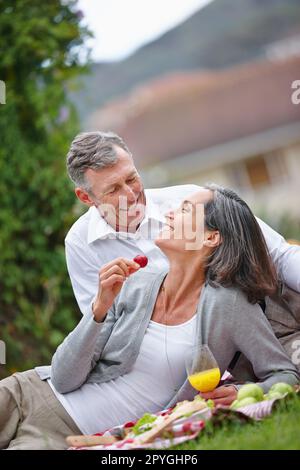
x: 253, y: 336
x: 80, y: 351
x: 234, y: 325
x: 76, y: 356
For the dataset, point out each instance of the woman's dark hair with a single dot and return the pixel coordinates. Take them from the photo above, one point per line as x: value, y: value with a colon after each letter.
x: 242, y: 258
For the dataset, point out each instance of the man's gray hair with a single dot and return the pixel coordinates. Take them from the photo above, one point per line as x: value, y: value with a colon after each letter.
x: 94, y: 150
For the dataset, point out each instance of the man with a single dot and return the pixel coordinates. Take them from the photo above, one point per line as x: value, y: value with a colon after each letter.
x: 123, y: 219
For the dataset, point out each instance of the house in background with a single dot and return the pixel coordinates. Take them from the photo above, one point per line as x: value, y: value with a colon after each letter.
x: 236, y: 127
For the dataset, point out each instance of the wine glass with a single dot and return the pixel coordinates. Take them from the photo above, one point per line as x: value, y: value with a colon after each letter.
x: 202, y: 369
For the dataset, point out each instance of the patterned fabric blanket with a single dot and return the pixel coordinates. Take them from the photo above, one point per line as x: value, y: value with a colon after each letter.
x: 185, y: 429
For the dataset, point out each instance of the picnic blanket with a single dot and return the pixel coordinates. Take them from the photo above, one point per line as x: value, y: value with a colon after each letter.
x: 186, y: 429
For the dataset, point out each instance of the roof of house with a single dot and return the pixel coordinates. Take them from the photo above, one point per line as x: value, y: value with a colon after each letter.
x: 185, y: 113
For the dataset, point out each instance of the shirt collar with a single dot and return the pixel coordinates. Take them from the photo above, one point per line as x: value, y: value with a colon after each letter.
x: 98, y: 228
x: 152, y: 211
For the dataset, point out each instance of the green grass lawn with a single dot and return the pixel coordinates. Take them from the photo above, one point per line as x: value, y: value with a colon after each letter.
x: 280, y: 431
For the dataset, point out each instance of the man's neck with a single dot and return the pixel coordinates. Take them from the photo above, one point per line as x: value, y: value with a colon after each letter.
x: 128, y: 229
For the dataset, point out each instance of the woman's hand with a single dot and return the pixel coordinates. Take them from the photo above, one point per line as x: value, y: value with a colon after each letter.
x: 111, y: 279
x: 223, y: 395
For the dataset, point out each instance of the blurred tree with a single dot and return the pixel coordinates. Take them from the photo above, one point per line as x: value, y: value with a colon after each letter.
x: 41, y: 49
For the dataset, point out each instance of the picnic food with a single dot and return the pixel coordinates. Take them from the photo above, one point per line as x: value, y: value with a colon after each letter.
x: 146, y: 429
x: 141, y: 260
x: 251, y: 390
x: 282, y: 388
x: 245, y: 402
x: 278, y: 391
x: 144, y: 424
x: 252, y: 393
x: 89, y: 441
x: 161, y: 423
x: 272, y: 396
x: 205, y: 381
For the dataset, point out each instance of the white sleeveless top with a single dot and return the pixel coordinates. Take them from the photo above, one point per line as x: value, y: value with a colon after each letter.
x: 157, y: 374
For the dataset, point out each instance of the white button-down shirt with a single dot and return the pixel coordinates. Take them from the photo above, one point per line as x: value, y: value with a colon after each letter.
x: 92, y: 242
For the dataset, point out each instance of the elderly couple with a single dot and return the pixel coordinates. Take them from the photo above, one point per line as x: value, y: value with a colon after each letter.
x: 126, y: 355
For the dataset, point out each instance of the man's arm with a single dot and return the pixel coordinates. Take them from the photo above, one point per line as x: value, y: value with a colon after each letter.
x: 286, y: 257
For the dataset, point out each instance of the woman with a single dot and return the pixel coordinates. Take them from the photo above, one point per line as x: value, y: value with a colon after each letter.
x: 126, y: 357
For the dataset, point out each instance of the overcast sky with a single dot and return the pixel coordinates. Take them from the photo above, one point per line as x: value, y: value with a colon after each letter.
x: 122, y: 26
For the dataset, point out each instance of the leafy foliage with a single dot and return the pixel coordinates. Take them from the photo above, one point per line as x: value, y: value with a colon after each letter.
x: 39, y: 52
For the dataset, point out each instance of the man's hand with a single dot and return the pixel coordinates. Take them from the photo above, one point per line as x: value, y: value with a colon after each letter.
x: 111, y: 279
x: 222, y: 395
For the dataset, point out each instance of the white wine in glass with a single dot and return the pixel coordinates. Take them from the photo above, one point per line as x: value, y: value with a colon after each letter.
x: 202, y: 369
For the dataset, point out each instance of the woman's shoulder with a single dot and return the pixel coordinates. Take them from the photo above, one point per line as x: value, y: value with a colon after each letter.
x: 231, y: 300
x: 145, y: 275
x: 218, y: 294
x: 141, y: 284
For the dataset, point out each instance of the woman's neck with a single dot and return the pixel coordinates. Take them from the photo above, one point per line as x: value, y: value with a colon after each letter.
x: 184, y: 280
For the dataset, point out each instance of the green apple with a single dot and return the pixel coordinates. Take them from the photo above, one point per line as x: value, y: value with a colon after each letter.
x: 282, y: 388
x: 245, y: 402
x: 251, y: 391
x: 274, y: 395
x: 234, y: 404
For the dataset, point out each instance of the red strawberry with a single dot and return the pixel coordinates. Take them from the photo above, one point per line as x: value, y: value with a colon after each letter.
x: 141, y: 260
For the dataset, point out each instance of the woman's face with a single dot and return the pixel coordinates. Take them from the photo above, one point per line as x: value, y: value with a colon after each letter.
x: 184, y: 229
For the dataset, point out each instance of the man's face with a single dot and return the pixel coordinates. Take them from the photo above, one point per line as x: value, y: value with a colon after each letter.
x: 118, y: 193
